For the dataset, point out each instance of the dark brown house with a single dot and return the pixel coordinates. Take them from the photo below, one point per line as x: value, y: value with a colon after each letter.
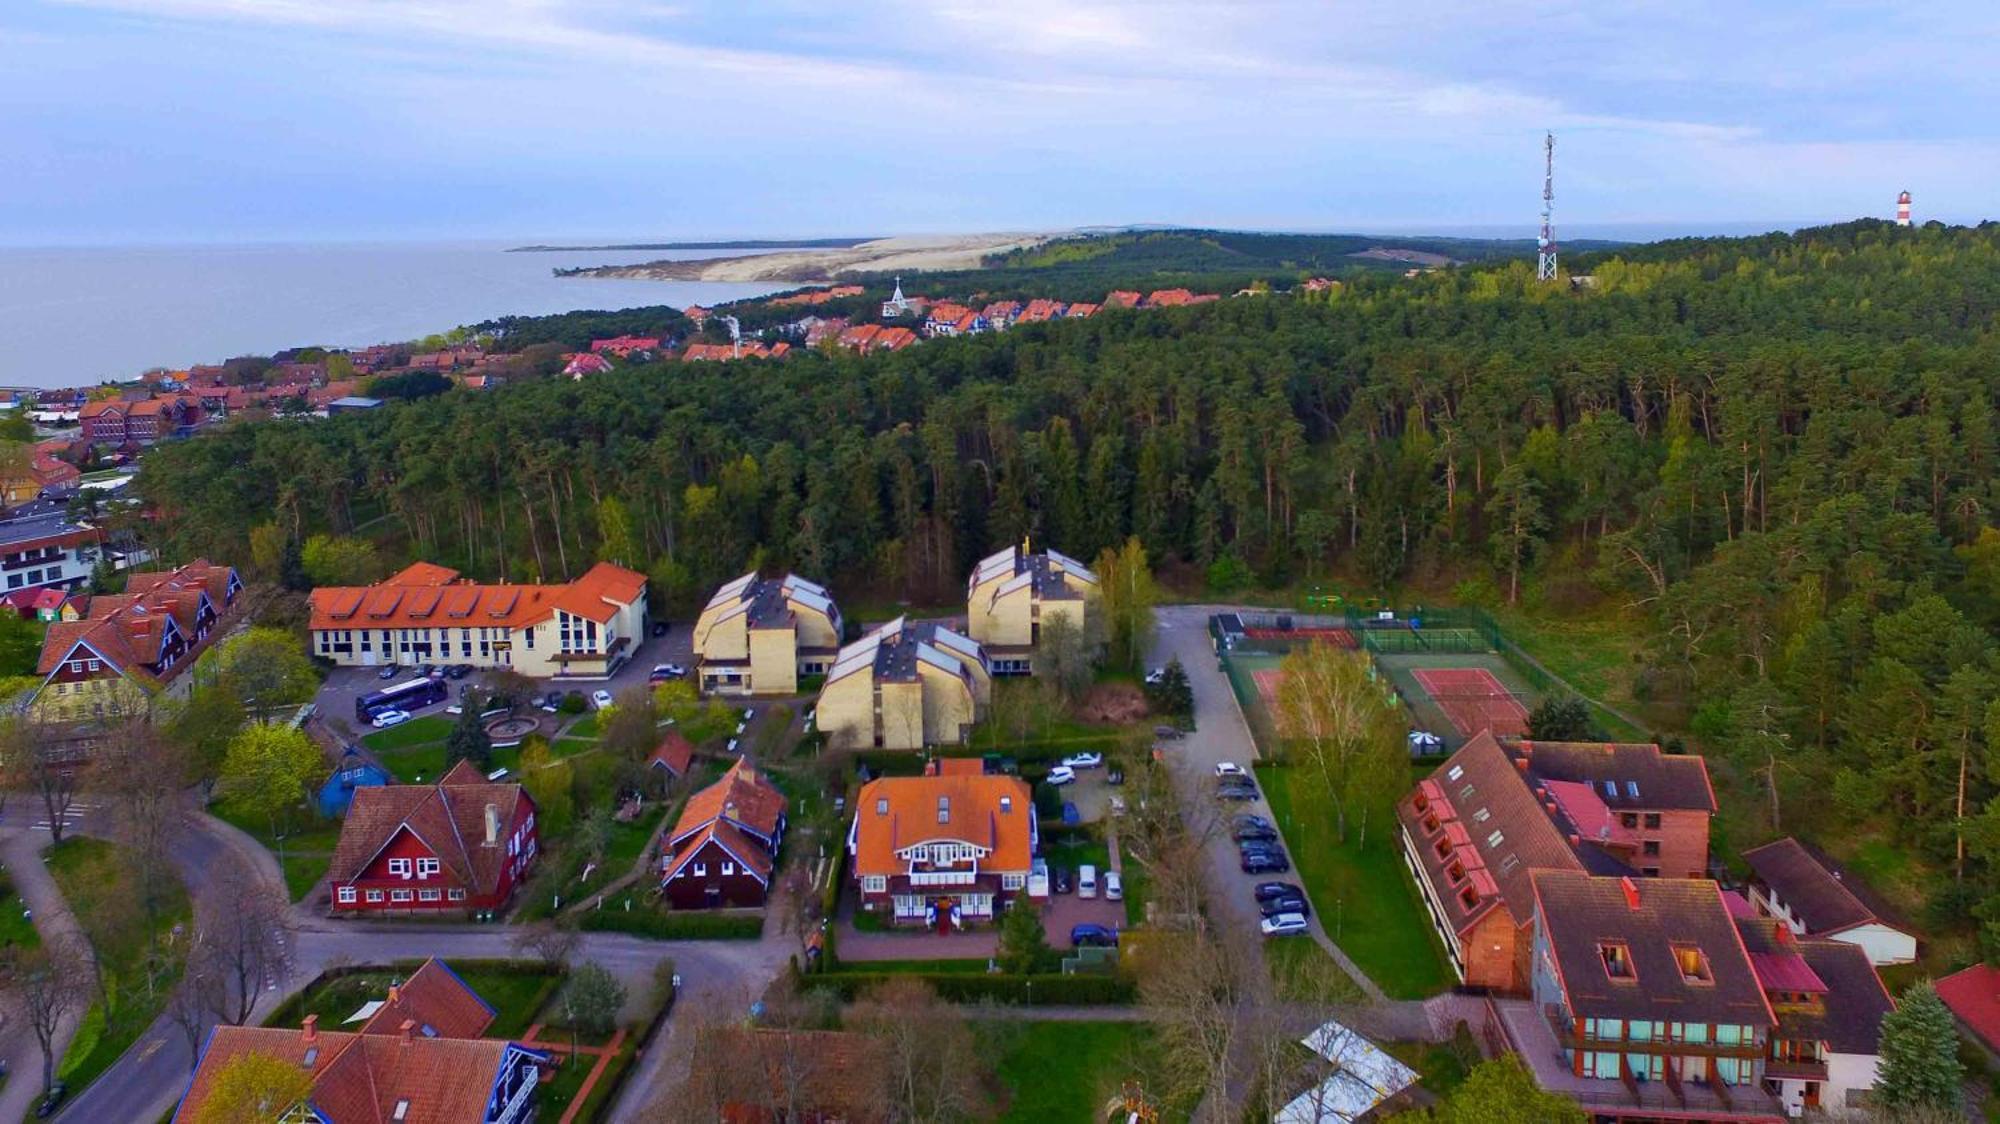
x: 725, y: 847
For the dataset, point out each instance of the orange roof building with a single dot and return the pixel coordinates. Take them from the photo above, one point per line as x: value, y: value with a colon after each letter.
x: 128, y: 647
x: 946, y: 849
x: 724, y: 848
x: 417, y: 1058
x: 584, y: 629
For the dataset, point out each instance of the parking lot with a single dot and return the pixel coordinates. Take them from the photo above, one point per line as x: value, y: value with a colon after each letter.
x: 343, y: 686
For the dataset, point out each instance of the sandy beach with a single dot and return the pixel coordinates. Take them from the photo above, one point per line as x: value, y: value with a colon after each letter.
x: 911, y: 253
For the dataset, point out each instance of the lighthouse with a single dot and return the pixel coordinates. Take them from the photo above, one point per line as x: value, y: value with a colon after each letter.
x: 1903, y: 209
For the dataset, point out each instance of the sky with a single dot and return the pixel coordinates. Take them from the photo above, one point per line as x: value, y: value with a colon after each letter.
x: 250, y: 120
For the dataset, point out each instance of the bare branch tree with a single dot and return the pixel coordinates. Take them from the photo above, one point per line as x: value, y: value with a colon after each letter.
x: 195, y: 1000
x: 49, y: 983
x: 246, y: 933
x: 552, y: 942
x: 932, y: 1063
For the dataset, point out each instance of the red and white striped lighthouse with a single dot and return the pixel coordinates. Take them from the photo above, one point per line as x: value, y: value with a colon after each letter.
x: 1903, y: 209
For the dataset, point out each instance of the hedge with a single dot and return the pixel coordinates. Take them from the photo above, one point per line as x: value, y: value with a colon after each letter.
x: 1044, y: 990
x: 676, y: 925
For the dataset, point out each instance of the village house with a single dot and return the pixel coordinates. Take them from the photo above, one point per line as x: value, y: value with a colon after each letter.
x: 584, y: 629
x: 944, y: 850
x: 897, y: 305
x: 625, y: 347
x: 671, y: 758
x: 1817, y: 899
x: 461, y: 845
x: 1000, y: 315
x: 724, y: 848
x: 1973, y: 996
x: 1080, y: 311
x: 1013, y: 593
x: 1645, y: 1001
x: 416, y: 1057
x: 905, y: 686
x: 38, y: 471
x: 946, y: 320
x: 46, y: 549
x: 724, y: 352
x: 1121, y: 298
x: 118, y: 422
x: 356, y: 769
x: 129, y: 648
x: 578, y: 364
x: 1477, y: 829
x: 1829, y: 1004
x: 1040, y: 310
x: 47, y: 603
x: 759, y: 636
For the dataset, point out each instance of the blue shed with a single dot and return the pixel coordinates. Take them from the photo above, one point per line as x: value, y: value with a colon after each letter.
x: 356, y: 770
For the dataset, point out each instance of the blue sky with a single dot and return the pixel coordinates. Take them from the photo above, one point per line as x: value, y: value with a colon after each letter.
x: 180, y: 120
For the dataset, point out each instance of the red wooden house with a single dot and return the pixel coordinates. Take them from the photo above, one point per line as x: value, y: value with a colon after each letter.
x: 725, y: 846
x: 462, y: 844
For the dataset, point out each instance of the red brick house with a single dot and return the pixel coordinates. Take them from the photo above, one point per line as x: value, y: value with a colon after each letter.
x: 127, y: 647
x: 463, y: 845
x: 1475, y: 831
x: 724, y: 848
x: 418, y: 1057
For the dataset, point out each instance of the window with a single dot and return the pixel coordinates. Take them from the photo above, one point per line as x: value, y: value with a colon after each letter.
x: 1482, y: 815
x: 428, y: 894
x: 456, y: 895
x: 1693, y: 964
x: 76, y: 667
x: 1468, y: 898
x: 96, y: 665
x: 944, y: 809
x: 729, y: 868
x: 1650, y: 872
x: 1653, y: 820
x: 700, y: 869
x: 1617, y: 960
x: 1495, y: 839
x: 399, y: 868
x: 427, y: 868
x: 1455, y: 772
x: 402, y: 1110
x: 1629, y: 820
x: 399, y: 895
x: 347, y: 895
x: 882, y: 806
x: 1652, y: 847
x: 1455, y: 872
x: 875, y: 884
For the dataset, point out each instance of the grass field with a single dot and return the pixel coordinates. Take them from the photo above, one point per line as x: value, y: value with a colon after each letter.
x: 553, y: 1098
x: 16, y: 930
x: 417, y: 731
x: 1302, y: 972
x: 1061, y: 1072
x: 1364, y: 897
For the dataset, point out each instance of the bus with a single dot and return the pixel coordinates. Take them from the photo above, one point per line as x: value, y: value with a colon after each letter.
x: 408, y: 696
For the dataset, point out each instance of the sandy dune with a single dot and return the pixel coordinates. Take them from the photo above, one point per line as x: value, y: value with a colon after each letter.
x: 910, y: 253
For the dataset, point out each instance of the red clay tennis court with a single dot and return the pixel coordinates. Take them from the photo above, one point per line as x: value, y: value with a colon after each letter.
x: 1338, y: 637
x: 1473, y: 699
x: 1267, y: 680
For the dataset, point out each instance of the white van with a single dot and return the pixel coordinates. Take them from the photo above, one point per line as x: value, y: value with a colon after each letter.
x: 1114, y: 886
x: 1086, y: 882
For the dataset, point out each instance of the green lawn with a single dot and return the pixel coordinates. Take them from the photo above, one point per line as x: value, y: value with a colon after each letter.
x: 647, y: 920
x: 138, y: 958
x: 1303, y: 972
x: 303, y: 872
x: 1058, y: 1072
x: 570, y: 747
x: 551, y: 1099
x: 305, y: 832
x: 16, y: 930
x: 585, y: 727
x: 1441, y: 1065
x: 1364, y: 898
x: 417, y: 731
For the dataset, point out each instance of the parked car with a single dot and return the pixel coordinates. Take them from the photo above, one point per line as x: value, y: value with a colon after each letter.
x: 1249, y: 819
x: 732, y: 745
x: 1093, y: 936
x: 1062, y: 775
x: 1284, y: 925
x: 428, y: 671
x: 1253, y: 833
x: 458, y: 671
x: 1084, y: 760
x: 1086, y: 881
x: 660, y: 628
x: 1114, y: 886
x: 1265, y: 862
x: 1294, y: 904
x: 1060, y: 876
x: 1169, y: 733
x: 749, y: 712
x: 1229, y: 769
x: 1265, y: 891
x: 664, y: 672
x: 386, y: 718
x: 1070, y: 816
x: 387, y: 672
x: 1236, y: 792
x: 600, y: 698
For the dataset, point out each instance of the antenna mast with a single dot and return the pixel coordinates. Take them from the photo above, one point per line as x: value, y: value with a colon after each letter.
x: 1545, y: 257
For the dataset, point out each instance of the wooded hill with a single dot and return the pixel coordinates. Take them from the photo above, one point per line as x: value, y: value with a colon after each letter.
x: 1783, y: 448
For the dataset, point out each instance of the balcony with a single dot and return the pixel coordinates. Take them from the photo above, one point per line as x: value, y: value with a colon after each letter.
x: 943, y: 877
x: 1572, y: 1039
x: 1800, y: 1070
x: 1537, y: 1039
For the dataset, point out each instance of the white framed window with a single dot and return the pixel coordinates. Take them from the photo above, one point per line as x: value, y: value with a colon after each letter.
x: 347, y: 895
x: 76, y: 667
x: 428, y: 894
x: 399, y: 895
x: 457, y: 895
x: 875, y: 884
x: 374, y: 895
x: 96, y: 665
x: 700, y: 869
x: 427, y: 868
x: 729, y: 868
x: 399, y: 868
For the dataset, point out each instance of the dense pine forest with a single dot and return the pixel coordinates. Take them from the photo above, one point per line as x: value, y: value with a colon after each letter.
x: 1780, y: 450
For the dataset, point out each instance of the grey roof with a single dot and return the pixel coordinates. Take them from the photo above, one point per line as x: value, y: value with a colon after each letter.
x: 43, y: 525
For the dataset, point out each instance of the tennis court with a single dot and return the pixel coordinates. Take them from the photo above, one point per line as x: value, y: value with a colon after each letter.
x: 1474, y: 700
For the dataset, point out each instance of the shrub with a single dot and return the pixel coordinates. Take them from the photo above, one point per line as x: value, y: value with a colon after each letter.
x: 670, y: 925
x: 1048, y: 990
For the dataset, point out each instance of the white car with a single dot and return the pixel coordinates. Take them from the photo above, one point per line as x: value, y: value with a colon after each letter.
x: 1229, y: 769
x: 389, y: 718
x: 1284, y: 925
x: 1156, y: 677
x: 749, y: 712
x: 1062, y: 775
x: 1084, y: 760
x: 600, y: 699
x: 732, y: 745
x: 1114, y: 886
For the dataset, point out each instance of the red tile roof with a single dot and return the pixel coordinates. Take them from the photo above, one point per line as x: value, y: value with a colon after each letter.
x: 674, y: 754
x: 1121, y: 298
x: 1080, y: 311
x: 1974, y: 996
x: 743, y: 794
x: 429, y: 596
x: 448, y: 816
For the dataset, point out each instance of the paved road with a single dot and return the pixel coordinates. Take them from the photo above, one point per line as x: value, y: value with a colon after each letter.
x: 21, y: 845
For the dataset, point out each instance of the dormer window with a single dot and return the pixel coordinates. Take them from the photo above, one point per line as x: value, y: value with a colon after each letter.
x: 1443, y: 847
x: 882, y: 806
x: 1455, y: 772
x: 1006, y: 804
x: 1468, y: 898
x: 1482, y: 815
x: 402, y: 1110
x: 1617, y: 959
x: 1495, y: 839
x: 944, y: 809
x: 1430, y: 824
x: 1455, y: 872
x: 1693, y: 964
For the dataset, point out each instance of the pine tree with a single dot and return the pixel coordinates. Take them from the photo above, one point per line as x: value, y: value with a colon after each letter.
x: 467, y: 740
x: 1024, y: 947
x: 1920, y: 1067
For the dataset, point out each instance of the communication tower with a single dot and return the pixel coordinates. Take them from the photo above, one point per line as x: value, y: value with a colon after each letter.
x: 1545, y: 256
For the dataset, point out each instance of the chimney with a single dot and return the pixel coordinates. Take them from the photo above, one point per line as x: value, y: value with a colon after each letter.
x: 395, y: 993
x: 1631, y: 889
x: 1575, y: 840
x: 409, y: 1029
x: 310, y: 1031
x: 492, y: 824
x: 1521, y: 763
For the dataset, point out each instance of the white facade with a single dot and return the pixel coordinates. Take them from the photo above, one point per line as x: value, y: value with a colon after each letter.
x: 1883, y: 943
x: 1848, y: 1078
